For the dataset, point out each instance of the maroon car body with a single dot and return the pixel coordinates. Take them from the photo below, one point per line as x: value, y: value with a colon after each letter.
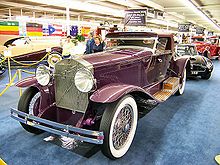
x: 137, y: 69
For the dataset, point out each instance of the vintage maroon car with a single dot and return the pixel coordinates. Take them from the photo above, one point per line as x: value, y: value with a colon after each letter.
x: 210, y: 47
x: 98, y: 98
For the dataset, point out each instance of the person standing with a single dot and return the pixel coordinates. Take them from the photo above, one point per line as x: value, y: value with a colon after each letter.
x: 67, y: 46
x: 98, y: 45
x: 89, y: 44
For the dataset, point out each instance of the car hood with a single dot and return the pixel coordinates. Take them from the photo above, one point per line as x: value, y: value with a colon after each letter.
x: 198, y: 60
x: 116, y: 55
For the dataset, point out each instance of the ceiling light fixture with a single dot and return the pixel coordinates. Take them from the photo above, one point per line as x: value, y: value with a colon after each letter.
x: 198, y: 11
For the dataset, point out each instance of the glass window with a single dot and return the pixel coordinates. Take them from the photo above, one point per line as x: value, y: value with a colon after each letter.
x: 19, y: 42
x: 131, y: 42
x: 186, y: 50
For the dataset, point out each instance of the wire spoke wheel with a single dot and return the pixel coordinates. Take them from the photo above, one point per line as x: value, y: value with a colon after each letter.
x: 122, y: 127
x: 119, y: 123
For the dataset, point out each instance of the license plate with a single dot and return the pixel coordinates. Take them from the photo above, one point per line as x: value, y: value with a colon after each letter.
x: 194, y: 72
x: 30, y: 123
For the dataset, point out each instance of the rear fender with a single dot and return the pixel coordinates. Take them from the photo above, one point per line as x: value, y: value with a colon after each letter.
x: 113, y: 92
x: 27, y: 82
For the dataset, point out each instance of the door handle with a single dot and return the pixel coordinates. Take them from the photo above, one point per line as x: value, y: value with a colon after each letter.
x: 159, y: 60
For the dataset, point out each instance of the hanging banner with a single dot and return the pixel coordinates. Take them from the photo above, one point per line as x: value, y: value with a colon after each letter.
x: 9, y: 28
x: 183, y: 27
x: 45, y: 29
x: 34, y: 29
x: 151, y: 13
x: 200, y: 30
x: 135, y: 17
x: 85, y: 31
x: 22, y: 28
x: 74, y: 30
x: 211, y: 33
x: 159, y: 15
x: 55, y: 30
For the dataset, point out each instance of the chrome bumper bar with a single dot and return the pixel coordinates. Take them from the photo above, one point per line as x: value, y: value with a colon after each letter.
x: 95, y: 137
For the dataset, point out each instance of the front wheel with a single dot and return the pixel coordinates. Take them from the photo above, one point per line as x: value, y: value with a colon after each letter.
x: 119, y: 123
x: 29, y: 103
x: 206, y: 76
x: 182, y: 84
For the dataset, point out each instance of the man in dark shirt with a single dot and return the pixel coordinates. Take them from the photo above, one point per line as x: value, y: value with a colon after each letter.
x: 89, y: 44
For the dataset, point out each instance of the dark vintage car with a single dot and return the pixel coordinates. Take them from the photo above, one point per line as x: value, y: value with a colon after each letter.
x: 99, y: 97
x: 199, y: 65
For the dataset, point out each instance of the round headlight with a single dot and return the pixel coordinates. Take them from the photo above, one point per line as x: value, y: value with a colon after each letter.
x: 84, y: 80
x: 209, y: 63
x: 42, y: 75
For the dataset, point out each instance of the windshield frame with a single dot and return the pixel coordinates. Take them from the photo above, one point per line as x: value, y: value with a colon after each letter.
x: 184, y: 46
x: 132, y: 38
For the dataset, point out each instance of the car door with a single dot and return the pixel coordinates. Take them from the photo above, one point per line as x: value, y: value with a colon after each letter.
x: 159, y: 62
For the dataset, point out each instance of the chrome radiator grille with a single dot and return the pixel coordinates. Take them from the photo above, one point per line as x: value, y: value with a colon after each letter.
x: 66, y: 94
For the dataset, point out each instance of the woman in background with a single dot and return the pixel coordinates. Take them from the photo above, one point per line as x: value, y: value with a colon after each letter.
x: 98, y: 45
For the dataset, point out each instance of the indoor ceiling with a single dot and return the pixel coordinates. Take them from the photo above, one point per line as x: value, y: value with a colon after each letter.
x: 113, y: 10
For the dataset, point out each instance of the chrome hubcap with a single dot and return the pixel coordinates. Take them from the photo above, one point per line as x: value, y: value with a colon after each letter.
x: 122, y: 127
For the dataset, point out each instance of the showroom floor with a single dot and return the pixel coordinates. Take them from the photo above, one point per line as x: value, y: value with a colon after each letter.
x: 184, y: 130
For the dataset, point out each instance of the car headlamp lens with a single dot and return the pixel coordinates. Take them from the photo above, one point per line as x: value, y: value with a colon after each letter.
x: 42, y: 75
x: 209, y: 63
x: 84, y: 80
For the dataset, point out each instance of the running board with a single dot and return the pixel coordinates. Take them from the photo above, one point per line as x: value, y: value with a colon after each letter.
x: 170, y: 86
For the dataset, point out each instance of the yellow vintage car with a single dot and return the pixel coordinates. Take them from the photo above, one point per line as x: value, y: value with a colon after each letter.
x: 28, y: 49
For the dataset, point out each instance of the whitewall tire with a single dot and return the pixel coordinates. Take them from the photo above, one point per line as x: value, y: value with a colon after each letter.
x: 182, y: 84
x: 119, y: 123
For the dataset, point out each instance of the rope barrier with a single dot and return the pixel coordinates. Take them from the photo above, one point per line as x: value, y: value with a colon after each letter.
x: 9, y: 84
x: 3, y: 60
x: 25, y: 71
x: 35, y: 63
x: 17, y: 73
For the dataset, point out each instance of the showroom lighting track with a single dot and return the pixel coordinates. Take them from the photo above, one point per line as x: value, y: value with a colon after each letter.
x: 198, y: 11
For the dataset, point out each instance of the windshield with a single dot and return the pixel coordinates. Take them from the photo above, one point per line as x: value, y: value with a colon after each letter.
x: 197, y: 39
x: 19, y: 42
x: 213, y: 40
x: 186, y: 50
x: 149, y: 43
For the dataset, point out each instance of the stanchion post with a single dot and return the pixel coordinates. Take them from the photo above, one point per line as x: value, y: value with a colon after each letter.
x: 9, y: 69
x: 19, y: 79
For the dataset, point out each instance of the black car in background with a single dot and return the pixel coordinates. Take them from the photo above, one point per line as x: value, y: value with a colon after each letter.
x: 199, y: 65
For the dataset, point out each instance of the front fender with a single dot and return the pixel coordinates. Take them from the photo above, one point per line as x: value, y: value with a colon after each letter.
x: 113, y: 92
x: 180, y: 64
x: 27, y: 82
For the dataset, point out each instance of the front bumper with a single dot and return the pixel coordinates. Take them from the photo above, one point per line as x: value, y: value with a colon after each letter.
x: 95, y: 137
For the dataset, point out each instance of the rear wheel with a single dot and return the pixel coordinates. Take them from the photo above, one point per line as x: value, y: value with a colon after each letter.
x: 29, y: 103
x: 119, y: 123
x: 182, y: 84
